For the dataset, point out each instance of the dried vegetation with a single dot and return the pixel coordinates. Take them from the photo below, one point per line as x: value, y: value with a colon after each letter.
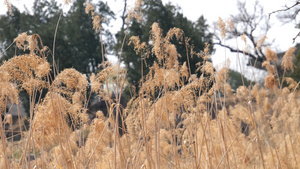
x: 177, y: 120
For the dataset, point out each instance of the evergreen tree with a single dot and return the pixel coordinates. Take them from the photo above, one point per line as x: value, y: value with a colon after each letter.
x: 236, y: 80
x: 85, y: 54
x: 167, y: 16
x: 296, y: 73
x: 77, y: 45
x: 10, y: 27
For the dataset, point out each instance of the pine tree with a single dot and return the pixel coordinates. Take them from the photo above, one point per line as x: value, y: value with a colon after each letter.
x: 167, y: 16
x: 77, y: 45
x: 10, y: 27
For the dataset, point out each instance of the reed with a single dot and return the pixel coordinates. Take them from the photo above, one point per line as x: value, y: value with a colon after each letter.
x: 177, y: 120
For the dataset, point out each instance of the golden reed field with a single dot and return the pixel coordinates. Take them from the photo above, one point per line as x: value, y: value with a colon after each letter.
x: 176, y: 120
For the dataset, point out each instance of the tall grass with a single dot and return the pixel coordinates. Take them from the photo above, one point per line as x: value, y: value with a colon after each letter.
x: 176, y: 120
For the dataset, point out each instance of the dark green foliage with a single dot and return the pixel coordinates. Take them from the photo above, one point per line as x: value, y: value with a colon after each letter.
x: 10, y: 27
x: 77, y: 45
x: 85, y: 42
x: 236, y: 80
x: 296, y: 74
x: 167, y: 16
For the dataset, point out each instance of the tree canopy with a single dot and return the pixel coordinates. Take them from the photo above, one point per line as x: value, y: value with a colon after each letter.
x: 167, y: 16
x: 77, y: 45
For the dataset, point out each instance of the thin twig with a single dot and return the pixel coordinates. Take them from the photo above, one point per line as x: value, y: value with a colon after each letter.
x: 286, y: 9
x: 296, y: 37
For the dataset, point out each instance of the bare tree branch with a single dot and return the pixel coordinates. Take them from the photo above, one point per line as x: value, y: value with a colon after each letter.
x: 286, y: 9
x: 296, y: 37
x: 248, y: 24
x: 289, y: 16
x: 240, y: 51
x: 123, y: 17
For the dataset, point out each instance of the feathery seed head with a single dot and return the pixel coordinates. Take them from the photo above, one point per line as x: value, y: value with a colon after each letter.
x: 20, y: 40
x: 243, y: 37
x: 97, y: 20
x: 6, y: 2
x: 260, y: 42
x: 8, y: 119
x: 222, y: 27
x: 287, y: 61
x: 291, y: 82
x: 136, y: 12
x: 270, y: 68
x: 175, y: 31
x: 270, y: 82
x: 156, y: 37
x: 208, y: 68
x: 89, y: 8
x: 70, y: 81
x: 270, y: 54
x: 138, y: 46
x: 68, y: 2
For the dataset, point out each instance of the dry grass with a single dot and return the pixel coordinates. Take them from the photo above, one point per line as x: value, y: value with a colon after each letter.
x: 177, y: 120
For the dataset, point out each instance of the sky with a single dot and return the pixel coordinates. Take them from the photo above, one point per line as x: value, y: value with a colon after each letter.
x: 280, y: 34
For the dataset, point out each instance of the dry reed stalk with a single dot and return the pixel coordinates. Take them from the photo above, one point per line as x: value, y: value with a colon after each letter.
x: 177, y: 120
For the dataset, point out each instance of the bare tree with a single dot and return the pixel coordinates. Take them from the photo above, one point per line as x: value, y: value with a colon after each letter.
x: 249, y: 24
x: 124, y: 15
x: 289, y: 14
